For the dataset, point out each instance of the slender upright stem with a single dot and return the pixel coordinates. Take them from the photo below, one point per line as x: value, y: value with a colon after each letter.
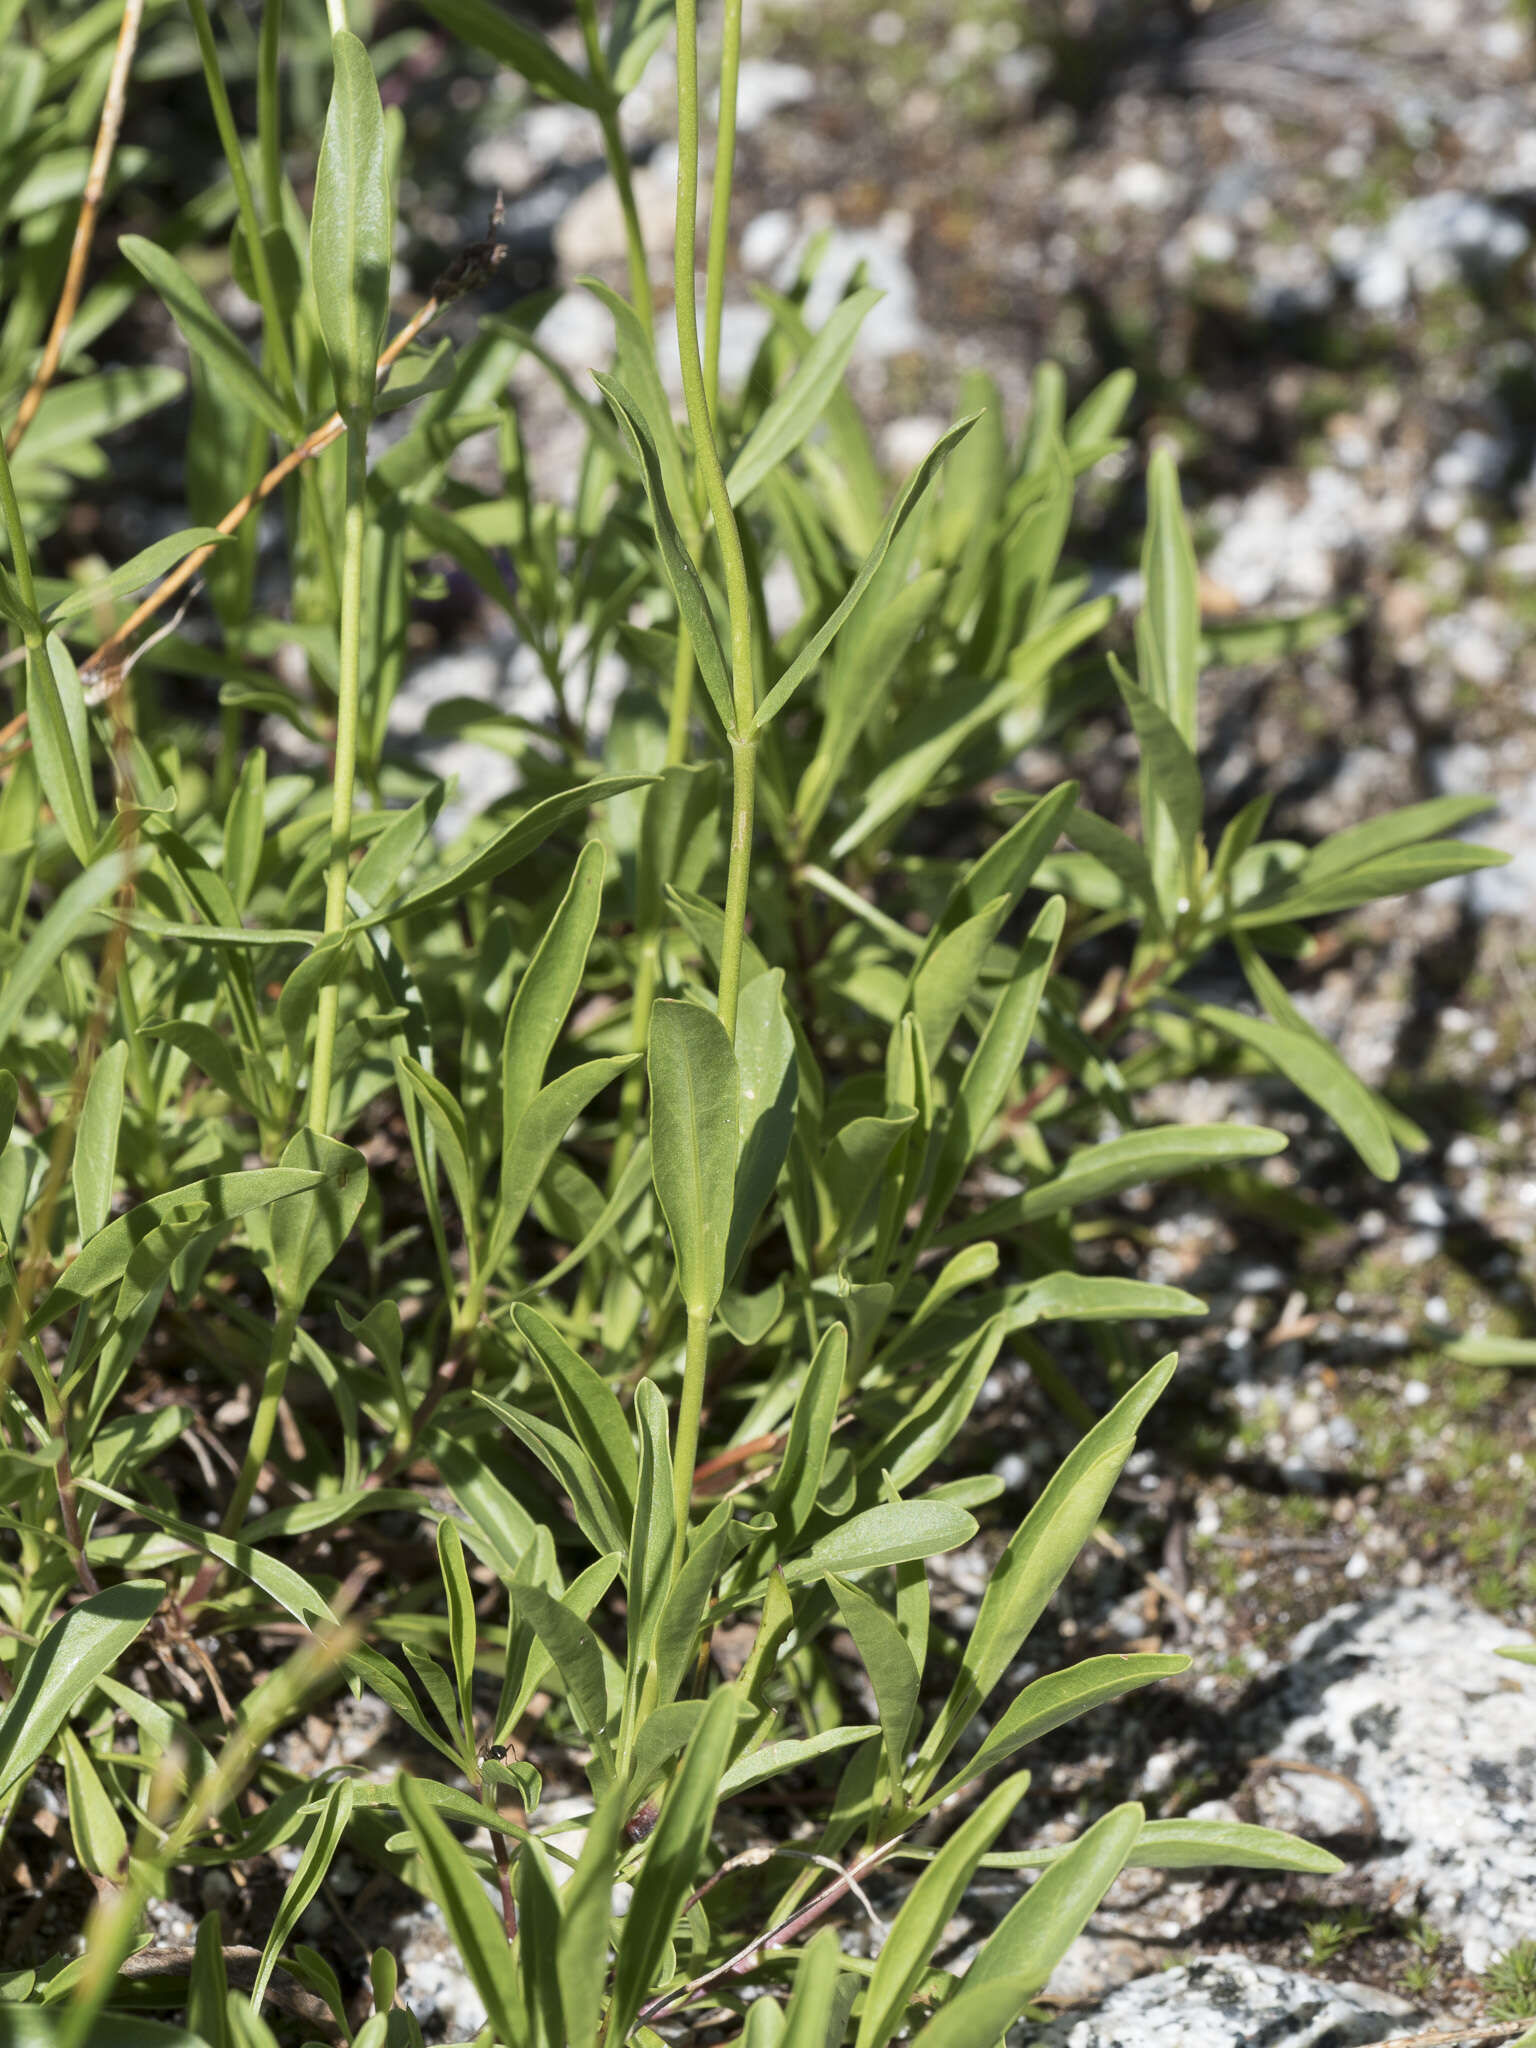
x: 269, y: 110
x: 274, y: 335
x: 348, y: 691
x: 618, y: 164
x: 16, y: 534
x: 720, y: 200
x: 264, y: 1421
x: 685, y: 1451
x: 727, y: 534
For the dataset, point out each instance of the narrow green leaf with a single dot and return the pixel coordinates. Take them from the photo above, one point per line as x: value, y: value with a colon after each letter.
x: 1038, y: 1930
x: 976, y: 2014
x: 510, y: 846
x: 582, y: 1944
x: 798, y: 1485
x: 461, y: 1620
x: 773, y: 1759
x: 1171, y: 780
x: 94, y: 1173
x: 207, y: 336
x: 227, y: 1196
x: 674, y: 1860
x: 591, y: 1408
x: 695, y: 1093
x: 351, y: 229
x: 148, y: 566
x: 319, y: 1853
x: 61, y: 738
x: 678, y: 565
x: 572, y: 1644
x: 100, y: 1839
x: 310, y: 1228
x: 893, y: 1674
x: 472, y: 1920
x: 908, y: 499
x: 932, y: 1900
x: 1060, y: 1697
x: 1311, y: 1064
x: 1039, y: 1557
x: 888, y: 1534
x: 1157, y: 1153
x: 549, y: 986
x: 79, y: 1648
x: 518, y: 48
x: 791, y: 413
x: 529, y: 1149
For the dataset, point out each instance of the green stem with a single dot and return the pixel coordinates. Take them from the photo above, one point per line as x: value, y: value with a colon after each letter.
x: 727, y: 534
x: 16, y: 533
x: 618, y: 165
x: 264, y: 1422
x: 274, y: 334
x: 720, y: 200
x: 348, y: 690
x: 269, y: 111
x: 733, y: 936
x: 685, y: 1451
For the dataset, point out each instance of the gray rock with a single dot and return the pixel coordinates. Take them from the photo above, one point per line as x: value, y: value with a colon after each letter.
x: 1225, y: 2002
x: 1405, y: 1697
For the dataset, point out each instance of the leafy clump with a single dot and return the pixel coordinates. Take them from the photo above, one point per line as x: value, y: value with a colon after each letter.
x: 539, y: 1276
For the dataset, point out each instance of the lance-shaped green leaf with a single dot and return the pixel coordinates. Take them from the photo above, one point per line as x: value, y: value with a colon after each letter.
x: 1168, y: 628
x: 591, y: 1408
x: 975, y: 2013
x: 462, y: 1630
x: 1059, y: 1697
x: 538, y: 1930
x: 549, y: 986
x: 1095, y: 1298
x: 352, y: 229
x: 674, y: 1860
x: 677, y: 564
x: 889, y: 1534
x: 573, y: 1647
x: 95, y: 1827
x: 510, y: 846
x: 695, y: 1092
x: 995, y: 1064
x: 490, y: 29
x: 638, y: 373
x: 1007, y: 867
x: 769, y: 1076
x: 527, y: 1150
x: 908, y: 499
x: 309, y: 1229
x: 1394, y: 874
x: 1309, y: 1063
x: 319, y: 1853
x: 226, y: 1195
x: 1037, y: 1931
x: 94, y: 1172
x: 61, y: 739
x: 1038, y: 1559
x: 1157, y: 1153
x: 791, y: 413
x: 798, y: 1485
x: 148, y: 566
x: 1171, y: 778
x: 80, y: 1647
x: 207, y: 336
x: 774, y: 1759
x: 472, y: 1920
x: 930, y: 1903
x: 893, y: 1673
x: 581, y: 1951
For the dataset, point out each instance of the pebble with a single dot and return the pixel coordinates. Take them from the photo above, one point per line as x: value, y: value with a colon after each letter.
x: 1406, y: 1697
x: 1227, y: 2002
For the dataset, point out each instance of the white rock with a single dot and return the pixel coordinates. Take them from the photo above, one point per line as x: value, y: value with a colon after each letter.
x: 1225, y: 2002
x: 764, y: 87
x: 1405, y: 1697
x: 590, y: 233
x: 766, y: 239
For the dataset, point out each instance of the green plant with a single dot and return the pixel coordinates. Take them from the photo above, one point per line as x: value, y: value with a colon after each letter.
x: 1328, y: 1939
x: 1511, y: 1984
x: 601, y: 1195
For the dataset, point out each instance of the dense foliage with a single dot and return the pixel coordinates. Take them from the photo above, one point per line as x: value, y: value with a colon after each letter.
x: 622, y: 1199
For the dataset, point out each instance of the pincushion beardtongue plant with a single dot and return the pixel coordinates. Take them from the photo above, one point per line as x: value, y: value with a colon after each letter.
x: 657, y: 1314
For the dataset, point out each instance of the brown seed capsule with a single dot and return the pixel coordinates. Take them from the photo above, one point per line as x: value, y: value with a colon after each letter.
x: 640, y: 1823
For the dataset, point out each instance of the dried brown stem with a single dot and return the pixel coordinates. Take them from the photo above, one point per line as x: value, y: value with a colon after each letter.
x: 85, y: 225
